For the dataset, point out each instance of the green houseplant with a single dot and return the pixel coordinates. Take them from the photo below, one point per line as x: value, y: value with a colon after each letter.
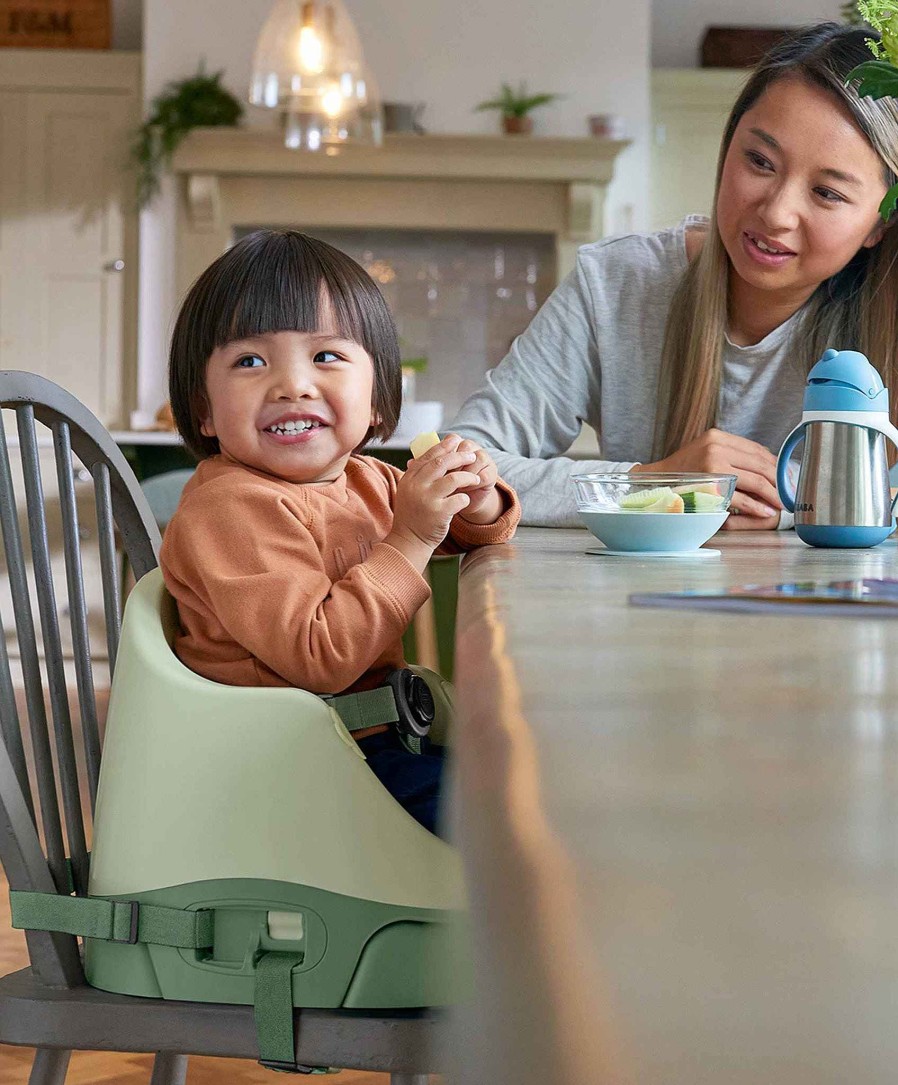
x: 198, y: 101
x: 515, y: 107
x: 879, y: 78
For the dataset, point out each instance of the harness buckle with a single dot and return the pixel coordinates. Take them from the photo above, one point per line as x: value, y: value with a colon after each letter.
x: 414, y: 703
x: 292, y: 1067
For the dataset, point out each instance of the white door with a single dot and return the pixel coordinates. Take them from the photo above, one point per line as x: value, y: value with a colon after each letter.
x: 68, y: 228
x: 68, y: 221
x: 62, y: 278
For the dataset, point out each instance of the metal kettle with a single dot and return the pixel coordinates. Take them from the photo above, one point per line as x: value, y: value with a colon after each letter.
x: 842, y: 498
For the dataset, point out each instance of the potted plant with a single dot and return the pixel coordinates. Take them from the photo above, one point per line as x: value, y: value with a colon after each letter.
x: 199, y: 101
x: 515, y: 106
x: 879, y: 78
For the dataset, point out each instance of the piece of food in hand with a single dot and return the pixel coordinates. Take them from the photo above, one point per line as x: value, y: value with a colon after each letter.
x: 422, y: 442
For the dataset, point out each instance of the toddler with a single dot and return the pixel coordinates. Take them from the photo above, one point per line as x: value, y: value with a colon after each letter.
x: 294, y: 560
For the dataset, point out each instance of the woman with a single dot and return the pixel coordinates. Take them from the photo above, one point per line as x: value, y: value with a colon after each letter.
x: 688, y: 349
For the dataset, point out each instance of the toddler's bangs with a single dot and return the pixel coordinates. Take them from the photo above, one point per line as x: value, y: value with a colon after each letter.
x: 291, y: 286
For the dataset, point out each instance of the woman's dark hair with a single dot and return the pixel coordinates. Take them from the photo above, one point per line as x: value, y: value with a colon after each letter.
x: 274, y: 281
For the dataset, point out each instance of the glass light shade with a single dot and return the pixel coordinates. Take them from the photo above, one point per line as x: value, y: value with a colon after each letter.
x: 309, y: 65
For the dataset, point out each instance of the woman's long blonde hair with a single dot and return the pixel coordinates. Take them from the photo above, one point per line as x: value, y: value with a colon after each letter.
x: 856, y: 308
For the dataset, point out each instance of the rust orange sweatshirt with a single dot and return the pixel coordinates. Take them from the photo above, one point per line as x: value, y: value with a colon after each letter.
x: 283, y: 584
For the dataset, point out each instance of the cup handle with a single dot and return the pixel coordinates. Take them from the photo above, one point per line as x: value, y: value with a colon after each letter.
x: 891, y: 433
x: 783, y: 482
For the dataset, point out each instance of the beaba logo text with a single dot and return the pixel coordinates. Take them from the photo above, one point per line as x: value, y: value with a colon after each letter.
x: 804, y: 506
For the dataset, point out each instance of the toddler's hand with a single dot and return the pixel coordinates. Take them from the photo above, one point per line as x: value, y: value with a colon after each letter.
x: 485, y: 506
x: 428, y: 495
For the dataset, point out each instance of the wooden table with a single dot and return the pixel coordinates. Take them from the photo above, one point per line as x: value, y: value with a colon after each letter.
x: 681, y: 827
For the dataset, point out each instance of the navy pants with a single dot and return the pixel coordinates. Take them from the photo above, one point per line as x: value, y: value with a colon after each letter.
x: 412, y: 779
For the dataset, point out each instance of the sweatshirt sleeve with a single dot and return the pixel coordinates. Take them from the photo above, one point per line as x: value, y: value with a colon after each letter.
x: 532, y: 405
x: 269, y: 590
x: 464, y: 536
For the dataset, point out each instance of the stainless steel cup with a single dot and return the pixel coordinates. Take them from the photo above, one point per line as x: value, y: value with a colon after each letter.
x: 844, y: 477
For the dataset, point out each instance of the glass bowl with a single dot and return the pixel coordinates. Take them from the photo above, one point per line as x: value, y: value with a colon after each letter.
x: 654, y: 511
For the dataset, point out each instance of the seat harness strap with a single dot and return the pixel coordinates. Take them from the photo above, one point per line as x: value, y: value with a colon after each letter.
x: 404, y: 702
x: 125, y: 921
x: 130, y: 922
x: 274, y: 1014
x: 366, y: 709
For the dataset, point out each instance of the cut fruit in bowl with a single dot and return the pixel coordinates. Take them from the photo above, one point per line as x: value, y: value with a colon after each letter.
x: 654, y: 492
x: 654, y: 511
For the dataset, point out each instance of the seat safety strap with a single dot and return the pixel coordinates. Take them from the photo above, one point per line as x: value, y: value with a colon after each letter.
x: 366, y: 709
x: 130, y: 922
x: 125, y: 921
x: 273, y: 1011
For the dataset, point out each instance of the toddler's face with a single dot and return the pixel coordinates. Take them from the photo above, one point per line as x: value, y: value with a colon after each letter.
x: 292, y: 404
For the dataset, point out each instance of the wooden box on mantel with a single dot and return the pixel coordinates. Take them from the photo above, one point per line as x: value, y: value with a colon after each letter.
x: 55, y: 24
x: 739, y: 46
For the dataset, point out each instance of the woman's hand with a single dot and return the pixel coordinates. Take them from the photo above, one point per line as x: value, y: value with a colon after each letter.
x: 755, y: 503
x: 428, y: 495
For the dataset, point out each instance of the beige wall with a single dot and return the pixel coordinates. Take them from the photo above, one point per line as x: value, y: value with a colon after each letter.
x: 447, y: 54
x: 678, y: 26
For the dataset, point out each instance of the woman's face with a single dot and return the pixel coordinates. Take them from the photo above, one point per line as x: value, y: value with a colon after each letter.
x: 800, y: 191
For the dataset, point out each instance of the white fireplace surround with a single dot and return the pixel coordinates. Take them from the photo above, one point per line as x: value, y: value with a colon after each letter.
x: 234, y: 178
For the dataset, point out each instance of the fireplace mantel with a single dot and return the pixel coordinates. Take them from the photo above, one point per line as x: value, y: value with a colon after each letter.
x: 233, y: 177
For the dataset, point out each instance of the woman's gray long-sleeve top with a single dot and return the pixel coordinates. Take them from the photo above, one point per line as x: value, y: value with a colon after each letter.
x: 593, y: 354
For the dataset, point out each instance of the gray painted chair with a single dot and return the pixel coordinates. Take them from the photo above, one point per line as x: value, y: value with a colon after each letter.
x: 43, y: 848
x: 163, y: 492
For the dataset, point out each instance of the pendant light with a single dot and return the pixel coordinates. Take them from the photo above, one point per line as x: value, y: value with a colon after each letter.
x: 309, y: 65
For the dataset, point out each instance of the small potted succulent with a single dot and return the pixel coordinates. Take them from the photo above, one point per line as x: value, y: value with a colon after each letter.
x: 515, y: 107
x: 879, y: 78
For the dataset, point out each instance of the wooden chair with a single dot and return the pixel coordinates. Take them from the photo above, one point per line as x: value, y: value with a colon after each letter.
x: 44, y: 844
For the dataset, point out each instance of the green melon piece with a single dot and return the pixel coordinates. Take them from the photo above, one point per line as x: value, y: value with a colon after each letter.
x: 698, y: 501
x: 698, y: 488
x: 643, y: 498
x: 668, y: 503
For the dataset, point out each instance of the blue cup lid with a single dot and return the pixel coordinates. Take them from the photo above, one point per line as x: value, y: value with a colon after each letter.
x: 843, y: 380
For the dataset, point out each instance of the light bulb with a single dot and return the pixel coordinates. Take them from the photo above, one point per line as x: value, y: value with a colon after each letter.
x: 332, y: 101
x: 310, y: 51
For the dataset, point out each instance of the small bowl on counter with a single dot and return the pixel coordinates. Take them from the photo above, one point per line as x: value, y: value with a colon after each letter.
x: 653, y: 512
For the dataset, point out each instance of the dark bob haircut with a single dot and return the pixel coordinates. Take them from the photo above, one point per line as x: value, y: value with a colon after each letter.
x: 274, y: 281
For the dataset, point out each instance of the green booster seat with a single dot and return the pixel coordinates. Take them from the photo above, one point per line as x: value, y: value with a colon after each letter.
x: 250, y: 854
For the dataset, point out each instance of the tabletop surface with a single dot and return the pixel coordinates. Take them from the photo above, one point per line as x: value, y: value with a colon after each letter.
x: 724, y: 788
